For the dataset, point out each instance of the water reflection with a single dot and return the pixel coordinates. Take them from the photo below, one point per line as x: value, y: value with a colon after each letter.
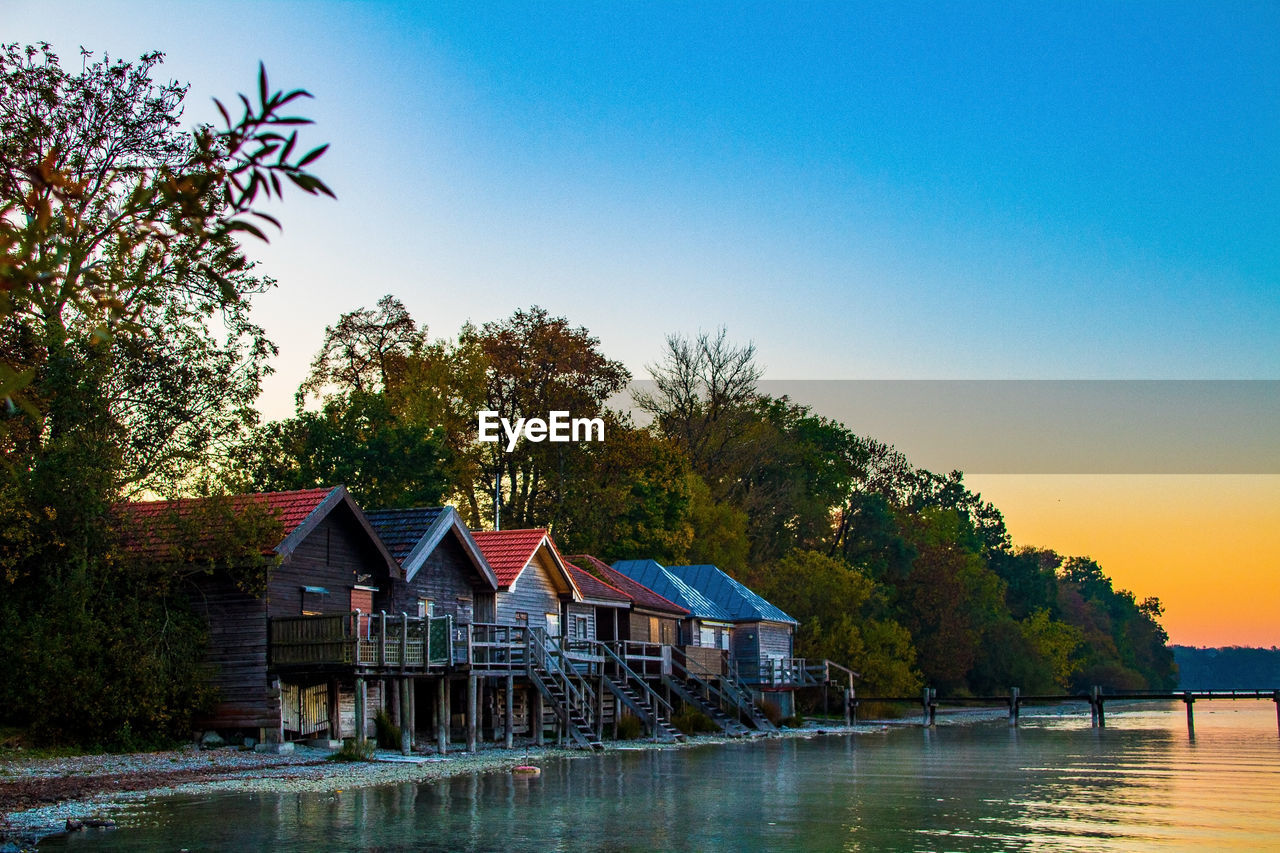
x: 1055, y: 783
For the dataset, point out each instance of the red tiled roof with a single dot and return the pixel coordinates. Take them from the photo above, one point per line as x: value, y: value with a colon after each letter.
x: 509, y: 551
x: 150, y: 526
x: 592, y: 587
x: 640, y: 594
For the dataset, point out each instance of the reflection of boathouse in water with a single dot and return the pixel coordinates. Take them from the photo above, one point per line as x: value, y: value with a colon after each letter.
x: 460, y: 636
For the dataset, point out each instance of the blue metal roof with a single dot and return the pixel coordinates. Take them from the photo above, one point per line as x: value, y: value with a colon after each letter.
x: 671, y: 587
x: 737, y: 600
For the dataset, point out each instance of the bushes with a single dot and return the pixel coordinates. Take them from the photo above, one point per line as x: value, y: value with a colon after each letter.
x: 388, y: 732
x: 771, y: 712
x: 691, y: 721
x: 354, y: 750
x: 629, y: 727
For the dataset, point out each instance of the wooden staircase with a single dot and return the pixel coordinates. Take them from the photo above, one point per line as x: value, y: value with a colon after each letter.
x: 638, y: 697
x: 719, y: 696
x: 569, y: 696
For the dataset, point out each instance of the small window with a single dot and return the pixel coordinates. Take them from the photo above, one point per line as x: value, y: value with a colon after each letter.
x: 313, y: 600
x: 425, y: 608
x: 553, y: 624
x: 522, y: 618
x: 707, y: 637
x: 579, y: 627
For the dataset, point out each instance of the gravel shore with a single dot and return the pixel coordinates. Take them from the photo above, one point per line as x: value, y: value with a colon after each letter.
x: 39, y: 796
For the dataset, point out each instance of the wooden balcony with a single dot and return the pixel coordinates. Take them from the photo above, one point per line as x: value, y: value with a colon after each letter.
x: 358, y: 641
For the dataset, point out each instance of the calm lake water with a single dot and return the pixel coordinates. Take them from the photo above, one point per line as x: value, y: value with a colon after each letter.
x: 1054, y: 783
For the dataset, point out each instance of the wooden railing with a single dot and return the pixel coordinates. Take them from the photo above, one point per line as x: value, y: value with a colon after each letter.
x: 650, y: 660
x: 353, y: 639
x: 498, y: 647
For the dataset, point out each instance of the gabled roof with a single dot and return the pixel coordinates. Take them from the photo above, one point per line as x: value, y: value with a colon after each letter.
x: 743, y: 604
x: 641, y: 595
x: 596, y: 591
x: 510, y: 551
x: 413, y: 534
x: 654, y: 575
x: 151, y: 526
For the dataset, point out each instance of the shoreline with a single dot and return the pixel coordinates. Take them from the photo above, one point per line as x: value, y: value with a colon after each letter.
x: 39, y: 796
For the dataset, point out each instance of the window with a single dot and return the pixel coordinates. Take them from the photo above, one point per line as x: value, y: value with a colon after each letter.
x: 553, y: 624
x: 522, y: 618
x: 707, y: 637
x: 313, y: 600
x: 579, y: 627
x: 724, y: 638
x: 654, y: 628
x: 425, y: 608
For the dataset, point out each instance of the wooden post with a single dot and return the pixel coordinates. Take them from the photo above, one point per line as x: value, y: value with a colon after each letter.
x: 360, y: 710
x: 406, y: 721
x: 1013, y: 706
x: 600, y: 708
x: 848, y: 706
x: 1093, y: 707
x: 924, y: 707
x: 442, y: 715
x: 933, y: 706
x: 394, y: 704
x: 535, y: 715
x: 472, y: 689
x: 1275, y: 697
x: 335, y: 721
x: 1099, y: 708
x: 411, y: 712
x: 509, y: 740
x: 1190, y: 702
x: 382, y: 639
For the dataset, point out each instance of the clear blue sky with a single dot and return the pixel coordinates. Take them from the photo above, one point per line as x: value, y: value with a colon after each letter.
x: 1087, y: 190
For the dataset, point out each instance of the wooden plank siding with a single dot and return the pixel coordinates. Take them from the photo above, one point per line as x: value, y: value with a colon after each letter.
x: 333, y: 556
x: 237, y: 655
x: 536, y: 591
x: 448, y: 580
x: 651, y: 627
x: 574, y: 613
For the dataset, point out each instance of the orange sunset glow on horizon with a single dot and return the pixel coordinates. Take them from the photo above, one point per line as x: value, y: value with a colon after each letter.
x: 1208, y: 546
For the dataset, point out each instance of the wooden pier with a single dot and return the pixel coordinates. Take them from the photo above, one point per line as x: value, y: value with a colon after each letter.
x: 1097, y: 699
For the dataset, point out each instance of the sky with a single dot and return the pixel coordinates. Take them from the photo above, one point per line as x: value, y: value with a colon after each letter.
x: 864, y: 190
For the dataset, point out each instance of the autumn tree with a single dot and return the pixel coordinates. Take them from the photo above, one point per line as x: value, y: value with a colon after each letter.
x: 128, y: 358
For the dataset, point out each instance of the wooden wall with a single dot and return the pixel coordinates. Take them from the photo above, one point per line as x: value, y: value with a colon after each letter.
x: 335, y: 553
x: 536, y: 592
x: 237, y: 654
x: 447, y: 579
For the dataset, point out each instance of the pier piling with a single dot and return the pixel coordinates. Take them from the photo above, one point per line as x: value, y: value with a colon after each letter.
x: 361, y: 711
x: 442, y: 714
x: 1191, y: 718
x: 1014, y: 702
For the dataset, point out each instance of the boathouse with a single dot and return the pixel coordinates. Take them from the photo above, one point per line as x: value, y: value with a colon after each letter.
x: 330, y: 564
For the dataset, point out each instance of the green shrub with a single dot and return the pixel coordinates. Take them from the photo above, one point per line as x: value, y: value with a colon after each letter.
x: 354, y: 750
x: 388, y: 732
x: 793, y: 722
x: 629, y: 727
x: 691, y: 721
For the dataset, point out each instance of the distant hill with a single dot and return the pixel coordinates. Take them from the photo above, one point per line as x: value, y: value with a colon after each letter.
x: 1230, y: 668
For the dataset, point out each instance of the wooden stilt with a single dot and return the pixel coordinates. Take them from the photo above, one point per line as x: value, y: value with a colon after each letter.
x: 510, y: 726
x: 472, y: 690
x: 393, y: 701
x: 335, y: 720
x: 361, y: 710
x: 413, y: 713
x: 406, y: 724
x: 442, y: 715
x: 1191, y: 717
x: 535, y: 715
x: 924, y: 707
x: 1014, y: 701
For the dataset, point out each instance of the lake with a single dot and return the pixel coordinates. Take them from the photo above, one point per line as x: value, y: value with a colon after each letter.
x: 1054, y: 783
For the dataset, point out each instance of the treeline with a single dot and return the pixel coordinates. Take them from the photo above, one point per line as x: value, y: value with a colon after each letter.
x: 130, y: 366
x: 1227, y: 668
x: 904, y: 574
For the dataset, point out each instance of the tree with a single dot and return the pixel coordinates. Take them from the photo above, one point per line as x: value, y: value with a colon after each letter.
x: 108, y: 212
x: 355, y: 440
x: 535, y: 364
x: 126, y: 355
x: 365, y: 350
